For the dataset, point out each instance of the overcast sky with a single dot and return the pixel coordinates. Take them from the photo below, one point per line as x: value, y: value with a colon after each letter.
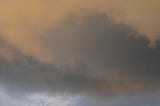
x: 80, y: 53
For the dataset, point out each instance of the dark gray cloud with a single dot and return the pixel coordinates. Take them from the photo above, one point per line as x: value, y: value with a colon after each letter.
x: 107, y: 58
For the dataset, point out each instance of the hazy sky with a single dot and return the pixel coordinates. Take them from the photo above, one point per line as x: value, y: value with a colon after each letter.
x: 80, y: 53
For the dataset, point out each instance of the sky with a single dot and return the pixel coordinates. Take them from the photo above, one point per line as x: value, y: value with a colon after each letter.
x: 79, y: 53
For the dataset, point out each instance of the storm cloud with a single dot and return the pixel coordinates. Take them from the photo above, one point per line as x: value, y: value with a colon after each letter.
x: 95, y: 56
x: 90, y: 52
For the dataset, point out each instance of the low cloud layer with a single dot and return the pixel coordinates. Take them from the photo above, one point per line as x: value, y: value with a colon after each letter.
x: 79, y: 47
x: 96, y: 56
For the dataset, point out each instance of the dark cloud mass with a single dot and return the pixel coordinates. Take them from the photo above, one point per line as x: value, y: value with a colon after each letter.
x: 95, y: 55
